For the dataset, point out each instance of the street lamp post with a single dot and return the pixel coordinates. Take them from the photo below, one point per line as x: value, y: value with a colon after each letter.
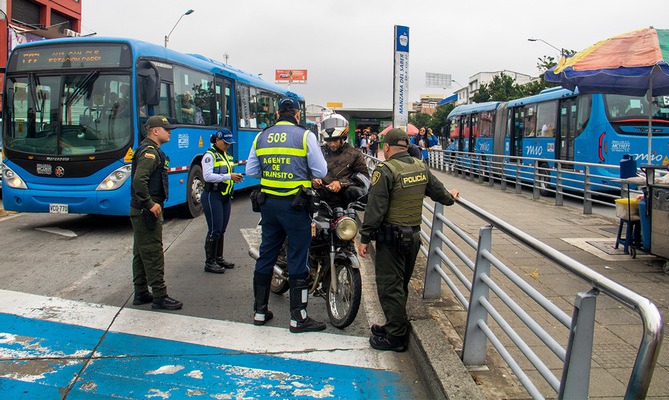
x: 167, y: 37
x: 562, y: 51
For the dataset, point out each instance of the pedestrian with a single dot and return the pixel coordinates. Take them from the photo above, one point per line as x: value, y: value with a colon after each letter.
x: 148, y: 192
x: 374, y: 145
x: 393, y: 218
x: 216, y: 199
x: 364, y: 144
x: 286, y: 157
x: 425, y: 141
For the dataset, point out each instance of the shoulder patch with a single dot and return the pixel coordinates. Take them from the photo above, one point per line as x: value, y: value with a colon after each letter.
x: 207, y: 159
x: 149, y: 155
x: 375, y: 177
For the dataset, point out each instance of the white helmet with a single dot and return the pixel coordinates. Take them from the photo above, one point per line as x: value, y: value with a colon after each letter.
x: 334, y: 127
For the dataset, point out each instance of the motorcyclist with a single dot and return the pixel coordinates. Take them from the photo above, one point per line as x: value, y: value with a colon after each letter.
x: 347, y: 179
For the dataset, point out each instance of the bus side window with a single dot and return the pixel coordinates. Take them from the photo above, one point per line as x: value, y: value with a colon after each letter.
x: 584, y: 107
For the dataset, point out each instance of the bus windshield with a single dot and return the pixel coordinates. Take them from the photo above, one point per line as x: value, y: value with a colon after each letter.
x: 620, y: 108
x: 73, y: 114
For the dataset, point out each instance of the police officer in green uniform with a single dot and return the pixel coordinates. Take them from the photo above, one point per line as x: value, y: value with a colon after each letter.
x: 148, y: 192
x: 393, y: 218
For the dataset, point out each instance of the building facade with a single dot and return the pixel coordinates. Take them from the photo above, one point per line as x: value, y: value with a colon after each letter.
x: 475, y: 82
x: 26, y: 21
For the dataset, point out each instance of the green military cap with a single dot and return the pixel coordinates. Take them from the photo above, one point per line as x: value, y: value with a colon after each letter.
x: 397, y: 137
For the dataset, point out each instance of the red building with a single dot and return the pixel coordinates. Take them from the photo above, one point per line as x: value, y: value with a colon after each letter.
x: 26, y: 21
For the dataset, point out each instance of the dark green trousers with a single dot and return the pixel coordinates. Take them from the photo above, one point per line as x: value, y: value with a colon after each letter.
x: 148, y: 261
x: 393, y: 272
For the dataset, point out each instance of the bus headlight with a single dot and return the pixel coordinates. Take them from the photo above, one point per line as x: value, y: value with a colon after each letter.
x: 346, y: 228
x: 116, y: 179
x: 12, y: 179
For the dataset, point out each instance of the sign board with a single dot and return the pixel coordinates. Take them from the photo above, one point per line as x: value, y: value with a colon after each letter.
x: 290, y: 75
x: 437, y: 80
x: 401, y: 78
x: 334, y: 104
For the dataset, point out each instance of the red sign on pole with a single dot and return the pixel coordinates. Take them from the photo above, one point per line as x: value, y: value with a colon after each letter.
x: 291, y: 75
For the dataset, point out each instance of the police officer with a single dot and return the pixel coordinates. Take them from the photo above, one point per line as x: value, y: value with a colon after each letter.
x: 393, y: 218
x: 219, y: 185
x: 346, y: 165
x: 148, y: 192
x: 285, y: 157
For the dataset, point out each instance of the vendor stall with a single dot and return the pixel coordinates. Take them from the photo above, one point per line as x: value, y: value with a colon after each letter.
x: 657, y: 208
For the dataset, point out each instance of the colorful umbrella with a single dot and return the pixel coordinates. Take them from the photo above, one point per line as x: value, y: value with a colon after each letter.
x: 411, y: 130
x: 634, y: 63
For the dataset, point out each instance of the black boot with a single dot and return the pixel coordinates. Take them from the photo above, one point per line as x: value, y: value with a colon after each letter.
x: 261, y: 288
x: 299, y: 320
x: 219, y: 255
x: 210, y: 253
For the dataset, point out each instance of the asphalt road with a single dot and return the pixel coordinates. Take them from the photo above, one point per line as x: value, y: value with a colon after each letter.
x: 88, y: 259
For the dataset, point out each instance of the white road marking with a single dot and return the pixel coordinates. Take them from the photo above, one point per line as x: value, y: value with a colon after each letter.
x: 319, y: 347
x: 58, y: 231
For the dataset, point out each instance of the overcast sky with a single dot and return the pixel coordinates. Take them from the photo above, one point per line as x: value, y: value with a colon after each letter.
x: 347, y: 45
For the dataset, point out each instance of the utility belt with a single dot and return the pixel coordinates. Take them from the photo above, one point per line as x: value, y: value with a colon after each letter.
x: 214, y: 186
x: 306, y: 199
x: 397, y: 236
x: 134, y: 203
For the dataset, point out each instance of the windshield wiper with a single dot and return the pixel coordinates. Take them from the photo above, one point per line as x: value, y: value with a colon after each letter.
x: 85, y: 84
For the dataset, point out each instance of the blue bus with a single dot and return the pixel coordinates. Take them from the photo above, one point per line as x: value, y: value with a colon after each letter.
x: 559, y: 124
x: 74, y: 113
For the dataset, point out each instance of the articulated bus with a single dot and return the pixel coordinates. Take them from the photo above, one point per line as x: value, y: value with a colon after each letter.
x: 74, y: 113
x: 559, y: 124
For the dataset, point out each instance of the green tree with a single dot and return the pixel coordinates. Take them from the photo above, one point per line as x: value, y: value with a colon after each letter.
x: 419, y: 119
x: 439, y: 122
x: 501, y: 88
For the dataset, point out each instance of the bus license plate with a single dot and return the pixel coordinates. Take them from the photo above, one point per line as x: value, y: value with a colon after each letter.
x: 58, y: 208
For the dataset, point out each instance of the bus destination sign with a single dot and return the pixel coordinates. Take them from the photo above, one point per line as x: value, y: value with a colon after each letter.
x: 67, y: 57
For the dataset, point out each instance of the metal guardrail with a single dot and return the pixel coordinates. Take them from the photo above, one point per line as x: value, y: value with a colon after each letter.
x: 482, y: 295
x: 559, y: 178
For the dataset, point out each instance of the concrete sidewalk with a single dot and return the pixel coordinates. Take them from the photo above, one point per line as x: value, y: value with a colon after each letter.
x: 588, y: 239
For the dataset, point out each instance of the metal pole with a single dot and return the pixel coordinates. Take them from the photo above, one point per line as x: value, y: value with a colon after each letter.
x: 650, y: 114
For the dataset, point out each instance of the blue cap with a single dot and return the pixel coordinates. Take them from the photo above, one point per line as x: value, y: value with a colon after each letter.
x: 288, y: 103
x: 224, y: 134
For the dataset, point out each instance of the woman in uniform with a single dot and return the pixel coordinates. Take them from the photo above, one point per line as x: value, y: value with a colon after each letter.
x: 219, y: 184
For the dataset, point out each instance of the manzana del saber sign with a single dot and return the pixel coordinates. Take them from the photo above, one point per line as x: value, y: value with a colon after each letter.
x: 401, y: 78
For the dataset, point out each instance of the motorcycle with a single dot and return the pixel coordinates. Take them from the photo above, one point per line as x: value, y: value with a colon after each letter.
x: 334, y: 268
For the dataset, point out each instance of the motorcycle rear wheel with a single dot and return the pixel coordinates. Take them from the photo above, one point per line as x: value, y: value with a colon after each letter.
x: 344, y: 304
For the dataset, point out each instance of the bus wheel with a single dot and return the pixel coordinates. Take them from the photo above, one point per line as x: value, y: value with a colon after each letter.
x: 193, y: 206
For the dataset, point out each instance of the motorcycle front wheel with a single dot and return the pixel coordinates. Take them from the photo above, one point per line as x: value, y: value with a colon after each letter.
x: 344, y: 304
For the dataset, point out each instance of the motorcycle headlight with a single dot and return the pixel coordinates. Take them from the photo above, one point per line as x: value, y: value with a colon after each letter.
x: 115, y: 179
x: 12, y: 179
x: 346, y: 228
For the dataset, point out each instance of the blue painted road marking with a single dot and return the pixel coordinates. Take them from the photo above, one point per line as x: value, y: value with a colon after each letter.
x: 42, y: 356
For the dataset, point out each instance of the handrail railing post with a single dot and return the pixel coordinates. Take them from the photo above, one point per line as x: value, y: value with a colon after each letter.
x: 575, y: 380
x: 432, y: 283
x: 587, y: 194
x: 519, y: 188
x: 474, y: 346
x: 559, y: 195
x: 536, y: 190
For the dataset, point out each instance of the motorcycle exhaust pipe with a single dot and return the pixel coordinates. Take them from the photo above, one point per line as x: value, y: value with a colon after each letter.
x: 278, y: 272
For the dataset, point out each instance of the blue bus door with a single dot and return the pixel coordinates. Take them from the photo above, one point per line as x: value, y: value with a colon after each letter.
x: 473, y: 123
x: 515, y: 141
x: 566, y: 130
x: 461, y: 133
